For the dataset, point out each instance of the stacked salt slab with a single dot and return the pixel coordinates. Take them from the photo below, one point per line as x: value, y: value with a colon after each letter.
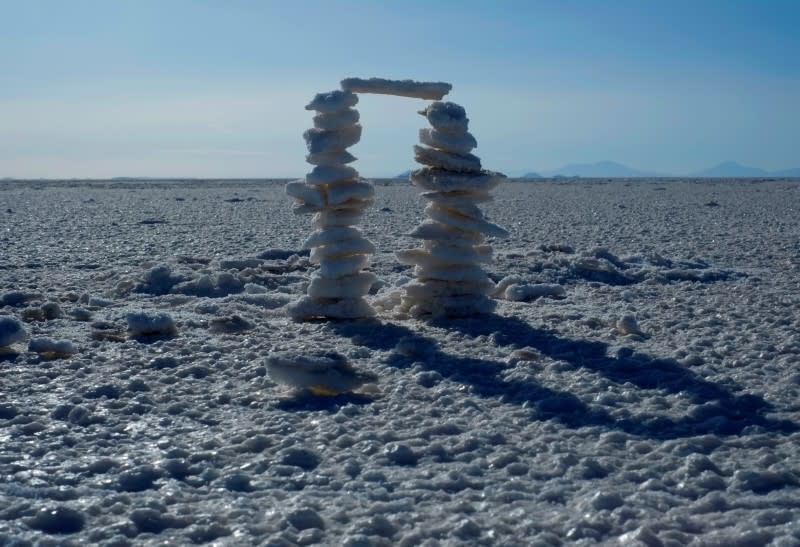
x: 450, y: 280
x: 337, y: 197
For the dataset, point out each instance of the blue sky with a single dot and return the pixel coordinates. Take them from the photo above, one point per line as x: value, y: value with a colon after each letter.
x: 217, y: 88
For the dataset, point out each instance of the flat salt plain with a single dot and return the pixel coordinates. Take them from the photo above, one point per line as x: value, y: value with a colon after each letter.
x: 654, y: 402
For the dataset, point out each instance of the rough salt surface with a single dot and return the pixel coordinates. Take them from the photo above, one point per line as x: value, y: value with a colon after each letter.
x: 541, y: 422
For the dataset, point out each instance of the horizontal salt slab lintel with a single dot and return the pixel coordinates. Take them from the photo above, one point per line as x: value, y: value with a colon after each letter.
x: 433, y: 91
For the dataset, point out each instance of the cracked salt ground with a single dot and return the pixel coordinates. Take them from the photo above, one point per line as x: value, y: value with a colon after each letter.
x: 638, y: 383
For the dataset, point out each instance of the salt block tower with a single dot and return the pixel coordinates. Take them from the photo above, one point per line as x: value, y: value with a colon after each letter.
x: 337, y: 197
x: 450, y: 280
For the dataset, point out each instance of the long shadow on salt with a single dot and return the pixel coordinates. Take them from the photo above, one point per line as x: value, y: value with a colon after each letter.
x: 722, y: 413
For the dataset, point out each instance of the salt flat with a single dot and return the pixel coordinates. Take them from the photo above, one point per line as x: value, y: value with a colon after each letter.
x: 638, y: 383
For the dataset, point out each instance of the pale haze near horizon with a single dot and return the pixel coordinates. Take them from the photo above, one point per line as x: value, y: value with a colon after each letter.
x: 218, y: 89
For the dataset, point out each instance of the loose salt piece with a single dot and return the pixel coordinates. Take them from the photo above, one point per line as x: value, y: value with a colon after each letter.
x: 335, y: 308
x: 338, y: 157
x: 310, y: 195
x: 341, y: 192
x: 336, y: 120
x: 402, y: 88
x: 446, y: 116
x: 440, y: 180
x: 11, y: 331
x: 627, y: 324
x: 332, y: 235
x: 456, y: 143
x: 332, y: 101
x: 52, y: 348
x: 321, y: 141
x: 467, y: 163
x: 327, y: 373
x: 462, y: 222
x: 325, y: 174
x: 341, y: 248
x: 351, y: 286
x: 142, y: 324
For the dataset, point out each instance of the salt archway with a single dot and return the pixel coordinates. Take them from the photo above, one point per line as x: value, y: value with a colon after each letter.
x: 450, y: 280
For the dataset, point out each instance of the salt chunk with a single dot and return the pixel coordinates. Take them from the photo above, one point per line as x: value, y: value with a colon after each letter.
x: 331, y: 158
x: 332, y: 101
x: 441, y: 180
x: 141, y: 324
x: 321, y: 141
x: 402, y: 88
x: 335, y: 268
x: 351, y: 286
x: 326, y: 174
x: 11, y: 331
x: 342, y: 192
x: 465, y: 272
x: 306, y: 193
x: 52, y: 348
x: 337, y: 308
x: 456, y: 143
x: 322, y: 372
x: 432, y: 230
x: 440, y: 159
x: 342, y: 248
x: 332, y: 235
x: 334, y: 121
x: 462, y: 222
x: 446, y: 116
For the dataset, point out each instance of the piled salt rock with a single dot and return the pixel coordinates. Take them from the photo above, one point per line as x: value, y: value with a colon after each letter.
x: 337, y: 197
x: 450, y: 280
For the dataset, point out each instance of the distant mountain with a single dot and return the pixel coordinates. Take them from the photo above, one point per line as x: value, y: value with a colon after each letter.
x: 792, y: 173
x: 600, y: 169
x: 404, y: 175
x: 610, y: 169
x: 731, y: 169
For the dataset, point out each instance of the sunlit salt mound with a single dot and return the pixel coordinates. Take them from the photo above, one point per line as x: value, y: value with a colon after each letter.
x: 150, y: 325
x: 451, y: 281
x: 52, y: 349
x: 11, y: 332
x: 336, y: 197
x: 321, y: 373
